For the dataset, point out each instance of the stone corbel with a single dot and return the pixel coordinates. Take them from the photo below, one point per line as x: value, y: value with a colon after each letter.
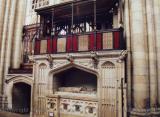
x: 70, y: 58
x: 95, y: 59
x: 50, y: 60
x: 122, y: 56
x: 31, y: 59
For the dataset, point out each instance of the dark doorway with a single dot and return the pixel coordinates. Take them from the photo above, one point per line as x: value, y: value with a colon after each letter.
x: 21, y: 98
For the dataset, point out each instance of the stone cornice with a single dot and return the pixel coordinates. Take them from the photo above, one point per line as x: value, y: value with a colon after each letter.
x: 109, y: 54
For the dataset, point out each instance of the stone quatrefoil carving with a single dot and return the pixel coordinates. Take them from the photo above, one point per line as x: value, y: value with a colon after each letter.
x: 78, y: 107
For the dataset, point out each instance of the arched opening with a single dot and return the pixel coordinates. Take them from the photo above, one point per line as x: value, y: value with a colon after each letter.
x: 21, y: 98
x: 75, y: 81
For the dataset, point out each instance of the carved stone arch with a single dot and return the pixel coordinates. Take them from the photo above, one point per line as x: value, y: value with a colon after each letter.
x: 21, y: 96
x: 108, y: 64
x: 20, y: 78
x: 19, y: 90
x: 68, y: 66
x: 42, y: 66
x: 42, y: 73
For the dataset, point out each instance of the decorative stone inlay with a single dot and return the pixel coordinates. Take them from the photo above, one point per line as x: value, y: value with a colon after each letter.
x: 85, y: 63
x: 79, y: 107
x: 72, y: 106
x: 58, y: 64
x: 52, y: 104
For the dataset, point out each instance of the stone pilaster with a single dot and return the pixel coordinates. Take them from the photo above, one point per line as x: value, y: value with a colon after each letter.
x: 10, y: 34
x: 3, y: 44
x: 140, y: 58
x: 152, y: 54
x: 40, y: 86
x: 17, y: 44
x: 128, y: 45
x: 157, y: 37
x: 2, y: 12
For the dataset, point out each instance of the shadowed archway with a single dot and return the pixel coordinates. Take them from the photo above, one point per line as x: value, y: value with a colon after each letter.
x: 21, y: 97
x: 75, y: 79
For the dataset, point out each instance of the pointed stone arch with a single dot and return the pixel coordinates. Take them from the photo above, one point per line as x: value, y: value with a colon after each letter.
x: 26, y: 89
x: 108, y: 64
x: 21, y: 97
x: 61, y: 69
x: 20, y: 78
x: 43, y: 66
x: 68, y: 66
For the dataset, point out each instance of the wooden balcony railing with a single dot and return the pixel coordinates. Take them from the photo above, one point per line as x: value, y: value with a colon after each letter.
x: 93, y: 41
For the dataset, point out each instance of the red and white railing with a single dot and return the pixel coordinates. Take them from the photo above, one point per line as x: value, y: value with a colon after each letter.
x: 93, y: 41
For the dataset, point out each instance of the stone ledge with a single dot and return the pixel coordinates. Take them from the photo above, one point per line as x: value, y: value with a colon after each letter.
x: 109, y: 54
x: 144, y: 113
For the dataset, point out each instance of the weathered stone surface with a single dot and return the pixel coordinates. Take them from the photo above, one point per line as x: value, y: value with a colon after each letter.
x: 9, y: 114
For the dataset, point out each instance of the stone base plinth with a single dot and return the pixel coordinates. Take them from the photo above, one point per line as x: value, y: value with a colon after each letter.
x: 145, y: 113
x: 3, y: 102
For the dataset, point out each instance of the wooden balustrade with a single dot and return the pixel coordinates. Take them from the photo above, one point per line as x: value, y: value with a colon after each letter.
x: 93, y: 41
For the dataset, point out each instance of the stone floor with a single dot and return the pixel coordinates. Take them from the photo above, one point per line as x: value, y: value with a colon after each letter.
x: 9, y: 114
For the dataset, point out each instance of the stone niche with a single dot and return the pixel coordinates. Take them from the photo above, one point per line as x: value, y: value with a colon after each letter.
x: 75, y: 94
x: 75, y: 82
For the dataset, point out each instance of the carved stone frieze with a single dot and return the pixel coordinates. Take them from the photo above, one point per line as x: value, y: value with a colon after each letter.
x: 78, y: 107
x: 59, y: 64
x: 85, y: 63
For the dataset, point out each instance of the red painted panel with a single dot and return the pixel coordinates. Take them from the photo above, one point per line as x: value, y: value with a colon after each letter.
x: 99, y: 41
x: 37, y: 47
x: 69, y: 44
x: 54, y: 45
x: 49, y: 46
x: 91, y: 41
x: 116, y: 40
x: 75, y: 43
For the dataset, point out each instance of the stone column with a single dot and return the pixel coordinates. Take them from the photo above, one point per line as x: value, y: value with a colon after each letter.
x: 17, y: 44
x: 10, y: 35
x: 40, y: 87
x: 3, y: 44
x: 128, y: 45
x: 152, y: 54
x: 140, y: 57
x: 2, y: 12
x: 157, y: 37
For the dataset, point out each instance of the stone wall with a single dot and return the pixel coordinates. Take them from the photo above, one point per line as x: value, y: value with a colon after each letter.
x: 109, y: 72
x: 11, y: 25
x: 142, y: 36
